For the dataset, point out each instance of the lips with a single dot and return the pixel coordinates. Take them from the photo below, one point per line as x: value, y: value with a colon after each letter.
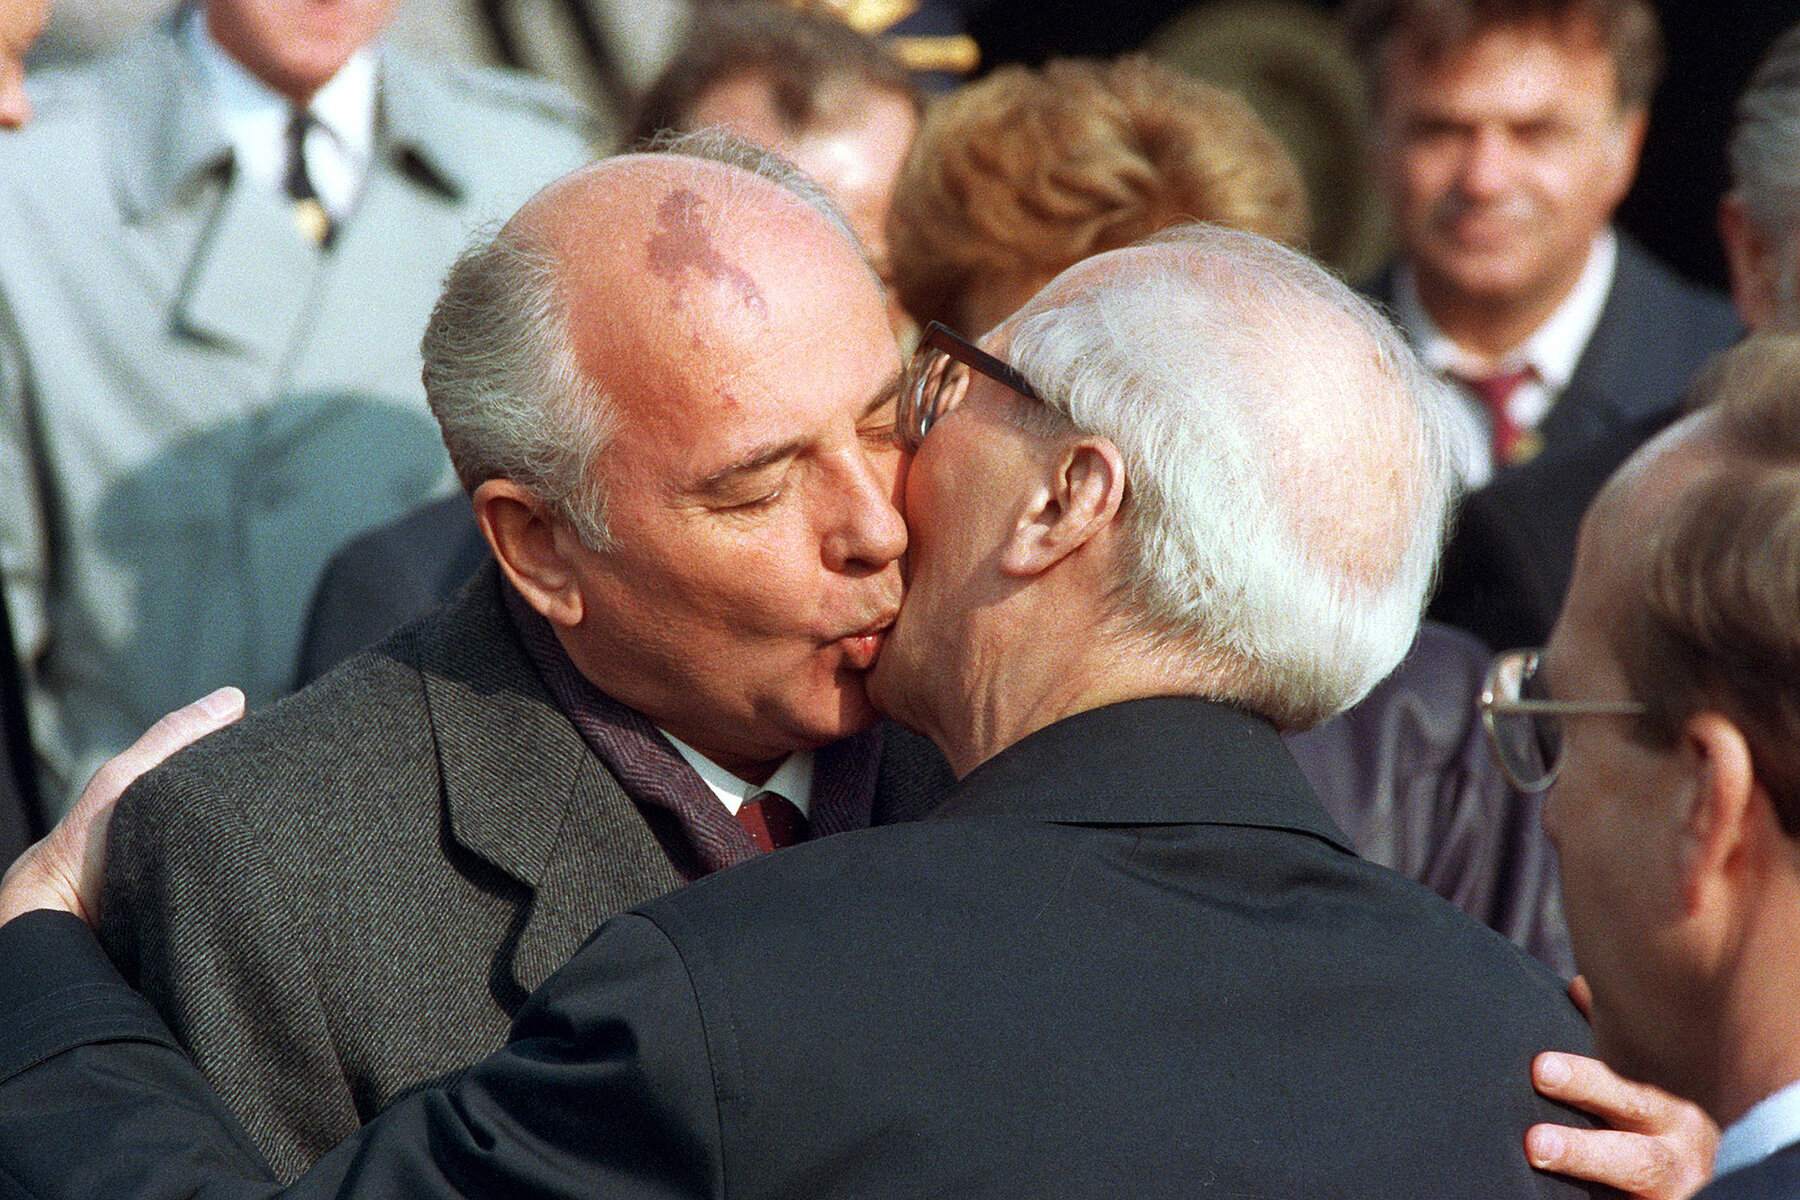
x: 860, y: 649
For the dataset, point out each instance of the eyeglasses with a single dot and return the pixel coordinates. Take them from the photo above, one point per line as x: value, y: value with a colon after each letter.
x: 1525, y: 726
x: 938, y: 377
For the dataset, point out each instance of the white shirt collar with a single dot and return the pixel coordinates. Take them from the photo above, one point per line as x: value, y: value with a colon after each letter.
x: 1772, y: 1124
x: 1553, y: 350
x: 255, y: 118
x: 793, y: 779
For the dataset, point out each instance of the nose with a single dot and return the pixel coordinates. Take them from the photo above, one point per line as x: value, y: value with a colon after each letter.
x: 1487, y: 167
x: 868, y: 533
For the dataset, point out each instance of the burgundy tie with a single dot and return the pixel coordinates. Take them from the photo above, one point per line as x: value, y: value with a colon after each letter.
x: 1513, y: 443
x: 773, y: 820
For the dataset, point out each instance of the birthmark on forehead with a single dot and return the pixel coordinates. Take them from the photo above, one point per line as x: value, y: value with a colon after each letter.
x: 682, y: 248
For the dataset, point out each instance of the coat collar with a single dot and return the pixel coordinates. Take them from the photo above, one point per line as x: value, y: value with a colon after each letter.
x: 545, y: 819
x: 169, y: 139
x: 1161, y: 760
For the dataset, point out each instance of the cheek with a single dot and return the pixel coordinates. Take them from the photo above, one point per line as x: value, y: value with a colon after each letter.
x: 1422, y: 192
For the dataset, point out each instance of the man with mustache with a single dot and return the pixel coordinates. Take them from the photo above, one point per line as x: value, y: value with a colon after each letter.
x: 1129, y: 955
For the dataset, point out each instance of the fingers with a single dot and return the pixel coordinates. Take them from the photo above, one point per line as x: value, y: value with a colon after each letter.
x: 65, y: 870
x: 1582, y: 996
x: 1592, y: 1086
x: 1659, y: 1147
x: 180, y: 728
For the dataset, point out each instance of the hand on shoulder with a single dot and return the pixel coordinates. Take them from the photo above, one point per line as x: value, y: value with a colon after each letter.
x: 64, y: 871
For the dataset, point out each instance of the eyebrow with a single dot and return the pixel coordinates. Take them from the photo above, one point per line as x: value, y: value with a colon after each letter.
x: 763, y: 457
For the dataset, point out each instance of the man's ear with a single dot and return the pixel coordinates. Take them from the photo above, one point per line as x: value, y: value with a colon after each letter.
x: 1754, y: 271
x: 1079, y: 497
x: 1723, y: 787
x: 534, y: 548
x: 1619, y: 156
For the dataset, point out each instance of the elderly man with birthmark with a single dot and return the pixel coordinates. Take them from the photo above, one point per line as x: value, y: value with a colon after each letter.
x: 823, y: 96
x: 668, y: 386
x: 1129, y: 955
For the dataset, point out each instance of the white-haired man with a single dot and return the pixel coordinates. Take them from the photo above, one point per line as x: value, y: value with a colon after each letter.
x: 1129, y: 956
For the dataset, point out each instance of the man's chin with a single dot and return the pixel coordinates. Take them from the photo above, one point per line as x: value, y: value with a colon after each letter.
x: 848, y: 712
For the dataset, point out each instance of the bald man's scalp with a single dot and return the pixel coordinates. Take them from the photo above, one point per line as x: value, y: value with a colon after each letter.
x: 681, y: 243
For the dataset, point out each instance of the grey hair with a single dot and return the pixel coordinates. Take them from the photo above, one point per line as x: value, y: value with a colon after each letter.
x: 1764, y: 153
x: 501, y: 374
x: 1218, y: 566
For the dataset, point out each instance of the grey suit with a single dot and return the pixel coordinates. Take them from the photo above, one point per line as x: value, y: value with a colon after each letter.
x: 197, y: 405
x: 352, y: 891
x: 1654, y: 331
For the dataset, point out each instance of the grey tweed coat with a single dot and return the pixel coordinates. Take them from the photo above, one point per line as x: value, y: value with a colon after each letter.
x: 351, y: 892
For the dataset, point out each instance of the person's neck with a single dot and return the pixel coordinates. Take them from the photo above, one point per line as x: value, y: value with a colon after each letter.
x: 1490, y: 329
x: 754, y: 771
x: 1008, y: 691
x: 1758, y: 1052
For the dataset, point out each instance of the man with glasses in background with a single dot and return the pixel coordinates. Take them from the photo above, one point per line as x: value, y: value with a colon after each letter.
x: 1663, y: 720
x: 1129, y: 955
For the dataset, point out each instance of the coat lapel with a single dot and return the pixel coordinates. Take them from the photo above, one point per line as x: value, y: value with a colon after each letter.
x: 250, y: 282
x: 554, y: 819
x: 416, y: 183
x: 243, y: 274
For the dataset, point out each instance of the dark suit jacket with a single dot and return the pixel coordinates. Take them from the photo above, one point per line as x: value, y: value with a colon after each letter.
x: 21, y: 819
x: 1407, y: 772
x: 353, y: 891
x: 1654, y: 332
x: 1776, y: 1177
x: 1409, y: 775
x: 1507, y: 566
x: 1129, y: 957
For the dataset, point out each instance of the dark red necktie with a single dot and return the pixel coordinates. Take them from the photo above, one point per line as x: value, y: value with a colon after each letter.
x: 773, y: 820
x: 1513, y: 443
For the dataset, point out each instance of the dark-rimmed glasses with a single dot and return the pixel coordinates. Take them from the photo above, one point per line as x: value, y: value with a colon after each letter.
x: 1524, y: 725
x: 937, y: 378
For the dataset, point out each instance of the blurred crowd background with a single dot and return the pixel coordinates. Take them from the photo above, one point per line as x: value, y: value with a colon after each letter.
x: 1285, y: 55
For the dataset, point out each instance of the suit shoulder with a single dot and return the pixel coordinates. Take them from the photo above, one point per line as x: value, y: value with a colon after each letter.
x: 1706, y: 314
x: 67, y: 126
x: 413, y: 546
x: 526, y: 97
x: 293, y: 762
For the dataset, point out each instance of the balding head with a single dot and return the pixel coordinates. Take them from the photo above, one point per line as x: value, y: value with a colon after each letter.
x: 1213, y: 471
x: 1288, y: 474
x: 582, y: 293
x: 667, y: 383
